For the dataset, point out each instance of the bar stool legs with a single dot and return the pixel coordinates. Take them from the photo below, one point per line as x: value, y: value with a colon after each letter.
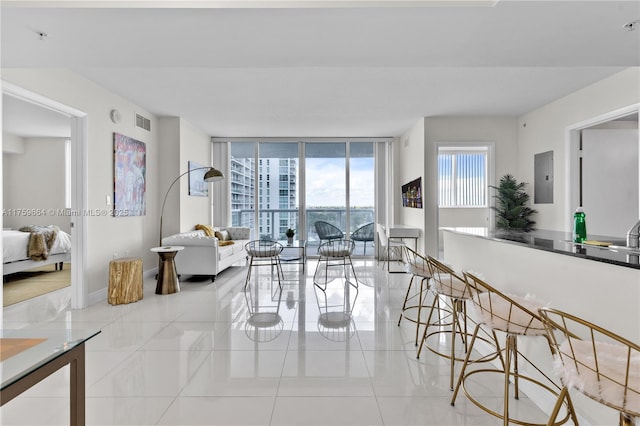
x: 264, y: 253
x: 419, y: 268
x: 515, y: 317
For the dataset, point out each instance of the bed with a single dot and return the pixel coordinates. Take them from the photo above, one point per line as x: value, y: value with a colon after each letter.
x: 15, y: 246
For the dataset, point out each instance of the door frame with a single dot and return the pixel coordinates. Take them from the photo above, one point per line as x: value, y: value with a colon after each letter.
x: 78, y: 223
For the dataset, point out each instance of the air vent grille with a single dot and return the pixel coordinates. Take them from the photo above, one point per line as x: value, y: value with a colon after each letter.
x: 143, y: 122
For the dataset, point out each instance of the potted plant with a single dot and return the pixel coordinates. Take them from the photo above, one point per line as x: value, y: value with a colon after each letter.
x: 512, y: 210
x: 290, y: 233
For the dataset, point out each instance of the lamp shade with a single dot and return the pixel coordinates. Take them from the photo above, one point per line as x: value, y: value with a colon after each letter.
x: 213, y: 175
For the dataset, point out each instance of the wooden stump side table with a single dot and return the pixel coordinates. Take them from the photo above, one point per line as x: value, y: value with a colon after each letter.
x: 167, y: 275
x: 125, y: 280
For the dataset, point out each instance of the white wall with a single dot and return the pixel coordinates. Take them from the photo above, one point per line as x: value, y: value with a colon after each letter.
x: 35, y: 181
x: 194, y: 146
x: 12, y: 143
x: 107, y: 235
x: 409, y: 165
x: 610, y: 180
x: 545, y: 129
x: 169, y: 170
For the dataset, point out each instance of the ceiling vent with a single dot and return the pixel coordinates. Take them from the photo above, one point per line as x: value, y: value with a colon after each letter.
x: 143, y: 122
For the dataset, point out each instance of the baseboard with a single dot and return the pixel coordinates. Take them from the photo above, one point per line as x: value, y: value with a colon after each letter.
x: 98, y: 296
x: 102, y: 294
x: 150, y: 273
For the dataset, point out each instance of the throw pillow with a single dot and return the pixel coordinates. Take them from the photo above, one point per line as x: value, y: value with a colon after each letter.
x: 223, y: 235
x: 208, y: 231
x: 225, y: 243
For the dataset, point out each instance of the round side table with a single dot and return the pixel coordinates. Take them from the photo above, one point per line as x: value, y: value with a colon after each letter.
x: 167, y: 274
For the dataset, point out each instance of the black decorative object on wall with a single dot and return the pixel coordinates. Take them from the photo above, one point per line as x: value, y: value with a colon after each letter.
x: 412, y: 194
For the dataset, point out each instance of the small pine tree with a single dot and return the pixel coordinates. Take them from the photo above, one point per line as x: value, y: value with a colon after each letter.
x: 512, y: 210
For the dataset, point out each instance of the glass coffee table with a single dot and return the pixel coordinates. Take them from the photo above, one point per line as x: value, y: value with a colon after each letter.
x: 29, y: 356
x: 294, y: 252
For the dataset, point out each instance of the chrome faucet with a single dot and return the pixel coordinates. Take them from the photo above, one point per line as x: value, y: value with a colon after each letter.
x: 633, y: 236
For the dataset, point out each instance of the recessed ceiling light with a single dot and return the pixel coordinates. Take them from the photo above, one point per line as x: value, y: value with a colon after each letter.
x: 42, y: 35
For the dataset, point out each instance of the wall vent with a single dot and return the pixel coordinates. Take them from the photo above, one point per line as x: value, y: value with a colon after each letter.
x: 143, y: 122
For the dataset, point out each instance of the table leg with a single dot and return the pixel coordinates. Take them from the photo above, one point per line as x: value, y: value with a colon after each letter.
x: 75, y: 359
x: 77, y: 388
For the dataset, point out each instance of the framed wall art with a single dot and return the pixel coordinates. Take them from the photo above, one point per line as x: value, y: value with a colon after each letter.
x: 197, y: 186
x: 129, y: 176
x: 412, y: 194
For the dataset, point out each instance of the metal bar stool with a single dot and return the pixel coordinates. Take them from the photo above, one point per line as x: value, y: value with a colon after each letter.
x: 515, y: 317
x: 596, y: 362
x: 452, y: 289
x: 335, y: 253
x: 419, y: 268
x: 264, y: 253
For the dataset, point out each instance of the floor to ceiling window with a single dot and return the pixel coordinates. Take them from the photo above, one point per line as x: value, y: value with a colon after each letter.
x: 326, y: 189
x: 276, y: 185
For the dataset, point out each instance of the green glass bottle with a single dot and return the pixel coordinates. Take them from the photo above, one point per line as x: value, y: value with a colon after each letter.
x: 579, y: 226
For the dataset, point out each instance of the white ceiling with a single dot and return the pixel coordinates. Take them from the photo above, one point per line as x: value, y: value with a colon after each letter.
x: 328, y: 71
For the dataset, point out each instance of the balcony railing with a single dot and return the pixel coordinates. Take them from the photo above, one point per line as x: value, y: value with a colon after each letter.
x: 274, y: 222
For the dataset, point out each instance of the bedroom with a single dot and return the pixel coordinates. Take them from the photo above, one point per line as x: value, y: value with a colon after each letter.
x: 35, y: 149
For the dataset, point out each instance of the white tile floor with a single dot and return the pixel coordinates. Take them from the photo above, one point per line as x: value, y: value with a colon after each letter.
x: 199, y: 357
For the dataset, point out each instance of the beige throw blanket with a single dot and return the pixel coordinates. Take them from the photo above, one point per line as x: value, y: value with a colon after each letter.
x: 40, y: 241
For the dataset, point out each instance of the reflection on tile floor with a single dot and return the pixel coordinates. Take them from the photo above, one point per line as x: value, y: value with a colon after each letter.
x: 217, y: 354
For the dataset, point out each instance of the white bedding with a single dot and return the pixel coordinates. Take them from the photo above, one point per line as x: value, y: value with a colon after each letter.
x: 14, y: 245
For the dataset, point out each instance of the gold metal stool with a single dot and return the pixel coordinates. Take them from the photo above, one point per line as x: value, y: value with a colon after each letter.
x: 515, y: 317
x: 418, y: 266
x: 596, y: 362
x: 451, y: 289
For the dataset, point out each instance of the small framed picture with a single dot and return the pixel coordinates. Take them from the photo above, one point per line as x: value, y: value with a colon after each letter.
x: 197, y: 186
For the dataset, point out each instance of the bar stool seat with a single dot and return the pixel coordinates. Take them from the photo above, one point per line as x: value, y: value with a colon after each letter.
x: 596, y: 362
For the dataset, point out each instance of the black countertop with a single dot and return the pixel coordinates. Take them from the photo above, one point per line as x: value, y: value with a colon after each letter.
x: 560, y: 242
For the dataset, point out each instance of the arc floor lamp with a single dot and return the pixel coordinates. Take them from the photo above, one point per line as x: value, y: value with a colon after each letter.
x: 211, y: 175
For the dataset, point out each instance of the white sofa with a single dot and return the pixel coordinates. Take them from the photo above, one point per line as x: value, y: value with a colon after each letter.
x: 203, y: 256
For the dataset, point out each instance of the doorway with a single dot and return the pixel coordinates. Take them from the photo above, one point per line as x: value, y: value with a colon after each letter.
x: 605, y: 154
x: 76, y: 122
